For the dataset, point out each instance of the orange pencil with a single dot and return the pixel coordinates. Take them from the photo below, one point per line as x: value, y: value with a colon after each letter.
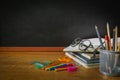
x: 52, y: 64
x: 61, y: 69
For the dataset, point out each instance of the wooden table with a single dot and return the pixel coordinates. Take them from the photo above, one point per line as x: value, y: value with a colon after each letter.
x: 16, y: 66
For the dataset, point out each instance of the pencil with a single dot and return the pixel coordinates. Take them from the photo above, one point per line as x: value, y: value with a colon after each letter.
x: 98, y: 34
x: 116, y: 38
x: 61, y: 69
x: 107, y: 42
x: 113, y: 47
x: 108, y: 33
x: 52, y: 64
x: 119, y: 46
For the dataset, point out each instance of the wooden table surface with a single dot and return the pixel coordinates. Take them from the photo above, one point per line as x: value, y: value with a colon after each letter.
x: 16, y: 66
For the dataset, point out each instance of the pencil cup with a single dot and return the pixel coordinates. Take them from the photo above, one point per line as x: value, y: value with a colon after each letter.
x: 109, y: 63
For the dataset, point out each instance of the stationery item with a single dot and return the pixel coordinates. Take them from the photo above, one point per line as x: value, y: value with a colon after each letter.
x: 113, y: 46
x: 119, y: 46
x: 69, y: 69
x: 90, y: 55
x: 107, y: 45
x: 91, y: 43
x: 64, y: 59
x: 61, y: 69
x: 98, y: 34
x: 58, y: 66
x: 109, y: 63
x: 84, y: 59
x: 116, y: 38
x: 55, y: 66
x: 52, y: 64
x: 96, y: 51
x: 109, y: 37
x: 38, y: 65
x: 81, y: 62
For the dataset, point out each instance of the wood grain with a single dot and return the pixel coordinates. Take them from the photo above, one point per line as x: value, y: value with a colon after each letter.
x: 32, y: 49
x: 16, y: 66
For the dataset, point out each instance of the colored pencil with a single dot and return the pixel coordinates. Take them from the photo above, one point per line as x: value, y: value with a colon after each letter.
x: 98, y: 34
x: 109, y: 37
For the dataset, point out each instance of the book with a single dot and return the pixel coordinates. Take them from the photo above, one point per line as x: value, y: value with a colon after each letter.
x: 94, y: 42
x: 84, y: 59
x: 81, y: 62
x: 90, y: 55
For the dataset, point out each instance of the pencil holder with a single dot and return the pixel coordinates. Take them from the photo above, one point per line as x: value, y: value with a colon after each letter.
x: 109, y: 63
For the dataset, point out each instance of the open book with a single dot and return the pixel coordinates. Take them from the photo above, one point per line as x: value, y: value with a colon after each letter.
x: 94, y: 41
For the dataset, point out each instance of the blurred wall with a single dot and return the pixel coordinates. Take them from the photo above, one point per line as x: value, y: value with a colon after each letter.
x: 54, y: 23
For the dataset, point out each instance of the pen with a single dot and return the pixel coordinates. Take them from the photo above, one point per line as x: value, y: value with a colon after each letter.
x: 98, y: 34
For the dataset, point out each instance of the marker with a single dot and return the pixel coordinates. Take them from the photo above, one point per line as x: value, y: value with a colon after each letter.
x: 69, y: 69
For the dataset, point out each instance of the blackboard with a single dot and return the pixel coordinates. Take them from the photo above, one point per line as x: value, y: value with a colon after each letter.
x: 54, y: 23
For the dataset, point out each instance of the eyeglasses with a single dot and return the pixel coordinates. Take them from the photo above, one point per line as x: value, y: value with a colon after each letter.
x: 83, y: 45
x: 75, y: 42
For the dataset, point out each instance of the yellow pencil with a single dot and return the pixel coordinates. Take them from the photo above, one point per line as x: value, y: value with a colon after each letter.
x: 118, y: 46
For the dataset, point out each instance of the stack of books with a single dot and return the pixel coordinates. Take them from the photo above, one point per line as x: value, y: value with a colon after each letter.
x: 87, y: 60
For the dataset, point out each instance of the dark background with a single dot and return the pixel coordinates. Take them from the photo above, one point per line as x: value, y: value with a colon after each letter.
x: 54, y: 23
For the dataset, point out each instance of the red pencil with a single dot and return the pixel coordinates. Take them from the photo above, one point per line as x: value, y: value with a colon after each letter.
x: 107, y: 42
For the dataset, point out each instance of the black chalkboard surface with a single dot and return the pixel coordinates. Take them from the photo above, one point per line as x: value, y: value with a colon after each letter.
x: 54, y: 23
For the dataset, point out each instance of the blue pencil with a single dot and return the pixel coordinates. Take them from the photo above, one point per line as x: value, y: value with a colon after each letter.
x: 98, y: 34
